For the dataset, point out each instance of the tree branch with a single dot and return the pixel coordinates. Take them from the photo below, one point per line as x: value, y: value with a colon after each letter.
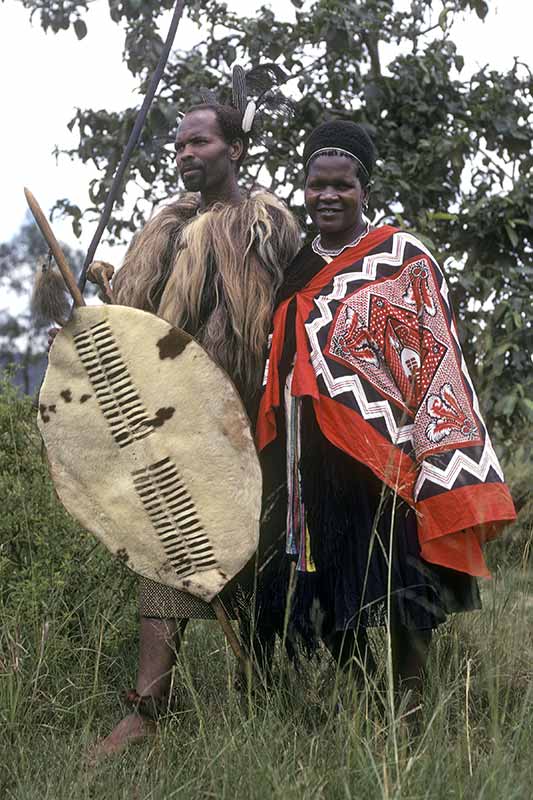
x: 371, y: 42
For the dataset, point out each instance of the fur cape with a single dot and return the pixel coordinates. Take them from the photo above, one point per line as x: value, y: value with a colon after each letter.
x: 214, y: 273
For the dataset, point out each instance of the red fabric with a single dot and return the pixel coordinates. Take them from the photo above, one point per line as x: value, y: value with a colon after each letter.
x: 476, y: 515
x: 398, y: 309
x: 350, y: 433
x: 450, y: 534
x: 304, y: 381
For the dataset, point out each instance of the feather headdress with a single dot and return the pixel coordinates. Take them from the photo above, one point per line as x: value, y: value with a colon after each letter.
x: 253, y: 92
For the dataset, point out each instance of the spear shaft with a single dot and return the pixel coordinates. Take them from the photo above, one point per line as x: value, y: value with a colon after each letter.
x: 132, y: 141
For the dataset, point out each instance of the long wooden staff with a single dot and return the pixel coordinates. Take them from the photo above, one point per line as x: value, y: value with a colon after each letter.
x: 70, y: 282
x: 132, y: 141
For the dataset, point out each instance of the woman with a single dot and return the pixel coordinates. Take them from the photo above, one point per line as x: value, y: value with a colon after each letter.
x: 393, y: 483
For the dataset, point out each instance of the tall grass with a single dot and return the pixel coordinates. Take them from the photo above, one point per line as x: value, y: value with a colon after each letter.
x: 68, y: 652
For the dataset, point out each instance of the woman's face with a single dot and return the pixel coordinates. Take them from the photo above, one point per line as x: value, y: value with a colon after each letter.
x: 334, y: 196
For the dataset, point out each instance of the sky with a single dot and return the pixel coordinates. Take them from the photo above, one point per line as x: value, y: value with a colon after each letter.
x: 46, y: 76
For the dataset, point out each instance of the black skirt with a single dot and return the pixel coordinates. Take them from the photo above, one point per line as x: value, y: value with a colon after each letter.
x: 365, y: 548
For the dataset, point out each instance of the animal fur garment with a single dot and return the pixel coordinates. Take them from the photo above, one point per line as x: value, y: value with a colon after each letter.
x: 214, y: 273
x: 50, y: 301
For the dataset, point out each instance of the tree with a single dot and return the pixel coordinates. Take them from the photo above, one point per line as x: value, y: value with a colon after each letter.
x: 23, y: 339
x: 456, y: 153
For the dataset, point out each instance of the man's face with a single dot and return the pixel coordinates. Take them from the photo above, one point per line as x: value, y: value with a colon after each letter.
x: 333, y: 194
x: 203, y: 158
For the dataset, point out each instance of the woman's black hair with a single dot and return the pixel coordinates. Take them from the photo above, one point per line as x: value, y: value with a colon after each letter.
x: 339, y: 137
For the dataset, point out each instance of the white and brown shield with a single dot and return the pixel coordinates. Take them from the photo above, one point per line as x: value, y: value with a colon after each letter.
x: 150, y: 448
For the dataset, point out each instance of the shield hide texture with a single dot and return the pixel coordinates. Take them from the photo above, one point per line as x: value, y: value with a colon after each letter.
x: 150, y: 448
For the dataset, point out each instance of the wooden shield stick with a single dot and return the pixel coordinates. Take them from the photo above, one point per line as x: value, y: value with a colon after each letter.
x: 68, y: 277
x: 53, y: 244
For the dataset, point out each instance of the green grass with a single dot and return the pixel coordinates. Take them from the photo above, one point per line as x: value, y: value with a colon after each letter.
x: 68, y: 652
x: 60, y: 691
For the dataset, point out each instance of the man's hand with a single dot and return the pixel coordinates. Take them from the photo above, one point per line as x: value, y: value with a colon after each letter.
x: 52, y: 333
x: 100, y: 272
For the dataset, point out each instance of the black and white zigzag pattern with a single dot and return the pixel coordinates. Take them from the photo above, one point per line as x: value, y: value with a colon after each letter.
x: 112, y: 384
x: 174, y: 517
x: 456, y: 468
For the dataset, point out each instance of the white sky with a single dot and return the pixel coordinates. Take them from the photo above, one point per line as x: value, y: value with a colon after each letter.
x: 46, y: 76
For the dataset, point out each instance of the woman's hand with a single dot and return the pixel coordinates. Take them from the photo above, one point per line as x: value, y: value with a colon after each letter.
x: 100, y: 272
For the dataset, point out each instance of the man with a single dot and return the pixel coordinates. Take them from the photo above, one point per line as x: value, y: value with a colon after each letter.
x: 210, y: 263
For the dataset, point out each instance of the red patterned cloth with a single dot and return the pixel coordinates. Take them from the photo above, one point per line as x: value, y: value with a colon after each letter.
x: 378, y: 351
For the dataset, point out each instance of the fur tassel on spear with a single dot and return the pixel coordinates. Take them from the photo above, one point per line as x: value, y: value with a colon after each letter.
x: 49, y: 294
x: 50, y: 301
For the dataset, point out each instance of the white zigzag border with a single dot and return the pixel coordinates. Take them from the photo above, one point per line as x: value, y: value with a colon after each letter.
x: 459, y: 462
x: 378, y: 409
x: 381, y: 409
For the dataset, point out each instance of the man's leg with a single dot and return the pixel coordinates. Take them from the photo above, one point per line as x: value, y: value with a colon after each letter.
x: 159, y: 642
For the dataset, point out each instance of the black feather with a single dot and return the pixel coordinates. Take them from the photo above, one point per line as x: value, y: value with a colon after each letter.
x: 276, y: 103
x: 264, y: 78
x: 239, y: 88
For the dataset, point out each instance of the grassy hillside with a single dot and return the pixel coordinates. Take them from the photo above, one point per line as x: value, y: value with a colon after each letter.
x: 68, y: 651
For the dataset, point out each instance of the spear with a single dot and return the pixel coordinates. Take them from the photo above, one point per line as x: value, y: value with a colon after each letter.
x: 132, y: 141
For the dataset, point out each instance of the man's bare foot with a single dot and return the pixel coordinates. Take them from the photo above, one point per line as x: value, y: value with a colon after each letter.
x: 133, y: 728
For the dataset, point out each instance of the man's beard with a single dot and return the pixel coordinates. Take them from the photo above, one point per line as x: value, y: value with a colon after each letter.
x: 194, y: 180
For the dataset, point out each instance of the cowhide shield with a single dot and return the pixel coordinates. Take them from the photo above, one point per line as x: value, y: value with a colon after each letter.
x: 150, y: 448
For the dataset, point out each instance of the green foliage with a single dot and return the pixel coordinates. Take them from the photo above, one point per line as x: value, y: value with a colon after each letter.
x: 456, y: 156
x: 44, y: 555
x: 58, y: 15
x: 23, y: 339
